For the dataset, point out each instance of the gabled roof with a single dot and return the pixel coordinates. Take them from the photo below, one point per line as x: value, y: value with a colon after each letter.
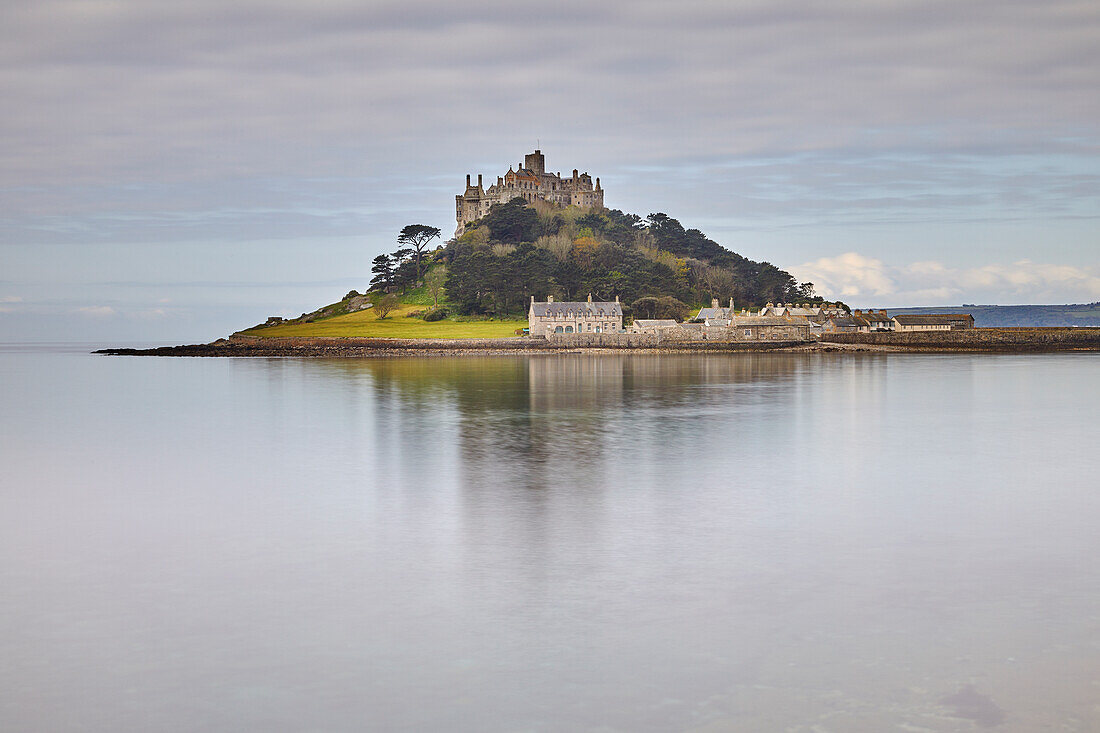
x: 717, y: 313
x: 654, y: 322
x: 582, y: 308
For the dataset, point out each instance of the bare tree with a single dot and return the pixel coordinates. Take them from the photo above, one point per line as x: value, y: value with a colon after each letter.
x: 434, y: 280
x: 386, y: 304
x: 720, y: 282
x: 560, y: 245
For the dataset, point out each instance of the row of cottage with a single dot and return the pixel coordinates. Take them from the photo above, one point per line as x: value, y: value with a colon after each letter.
x: 783, y: 321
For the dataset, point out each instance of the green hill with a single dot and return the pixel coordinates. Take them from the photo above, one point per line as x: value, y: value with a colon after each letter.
x: 480, y: 284
x: 521, y: 249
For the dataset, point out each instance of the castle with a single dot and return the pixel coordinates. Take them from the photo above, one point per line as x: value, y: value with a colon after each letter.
x: 529, y: 181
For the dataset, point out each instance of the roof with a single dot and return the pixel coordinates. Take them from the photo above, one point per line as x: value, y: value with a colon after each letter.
x: 931, y: 319
x: 844, y: 322
x: 654, y: 322
x: 576, y: 308
x: 705, y: 313
x: 867, y: 319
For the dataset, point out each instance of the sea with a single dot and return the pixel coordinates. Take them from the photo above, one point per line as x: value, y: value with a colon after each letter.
x: 626, y: 542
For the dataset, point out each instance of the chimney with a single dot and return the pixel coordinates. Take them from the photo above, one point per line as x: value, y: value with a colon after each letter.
x: 616, y: 299
x: 467, y: 180
x: 549, y: 298
x: 590, y: 297
x: 882, y: 312
x: 532, y: 300
x: 574, y: 172
x: 858, y: 312
x: 714, y: 302
x: 479, y: 180
x: 731, y: 305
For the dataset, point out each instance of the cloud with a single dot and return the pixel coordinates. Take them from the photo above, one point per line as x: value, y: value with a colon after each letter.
x: 10, y: 299
x: 869, y: 281
x: 193, y: 130
x: 96, y: 311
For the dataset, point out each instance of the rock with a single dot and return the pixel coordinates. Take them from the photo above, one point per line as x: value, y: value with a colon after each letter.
x: 359, y: 303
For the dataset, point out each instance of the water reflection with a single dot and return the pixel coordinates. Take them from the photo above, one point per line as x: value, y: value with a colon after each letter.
x: 617, y: 543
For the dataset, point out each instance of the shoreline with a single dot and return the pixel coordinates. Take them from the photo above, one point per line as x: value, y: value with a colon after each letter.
x: 981, y: 340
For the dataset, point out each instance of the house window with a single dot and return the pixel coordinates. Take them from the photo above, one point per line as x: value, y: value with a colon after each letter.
x: 558, y: 330
x: 569, y: 329
x: 748, y: 332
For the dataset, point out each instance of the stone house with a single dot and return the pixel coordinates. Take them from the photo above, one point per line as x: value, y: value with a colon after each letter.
x: 652, y: 325
x: 934, y: 322
x: 715, y: 315
x: 840, y: 324
x: 872, y: 321
x: 529, y: 181
x: 574, y: 317
x: 769, y: 328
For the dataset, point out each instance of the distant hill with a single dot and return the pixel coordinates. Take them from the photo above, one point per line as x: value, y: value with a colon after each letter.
x: 1086, y: 314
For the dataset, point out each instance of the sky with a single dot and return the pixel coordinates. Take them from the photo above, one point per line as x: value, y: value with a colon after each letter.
x: 178, y: 171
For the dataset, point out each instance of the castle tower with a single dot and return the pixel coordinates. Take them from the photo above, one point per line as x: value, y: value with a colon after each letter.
x: 535, y: 162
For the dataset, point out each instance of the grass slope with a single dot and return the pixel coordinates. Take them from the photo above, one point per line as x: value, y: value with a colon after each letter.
x: 366, y: 324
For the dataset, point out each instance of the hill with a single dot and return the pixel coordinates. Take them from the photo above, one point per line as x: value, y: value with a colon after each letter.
x: 522, y: 249
x: 480, y: 284
x: 1008, y: 316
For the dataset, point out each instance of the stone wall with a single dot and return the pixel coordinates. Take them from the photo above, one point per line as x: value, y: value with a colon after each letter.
x: 979, y: 339
x: 657, y: 341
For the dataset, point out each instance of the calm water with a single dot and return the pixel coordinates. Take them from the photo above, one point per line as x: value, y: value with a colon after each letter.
x: 612, y: 543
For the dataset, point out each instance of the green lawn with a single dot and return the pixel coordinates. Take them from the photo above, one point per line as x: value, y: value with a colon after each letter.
x: 366, y: 324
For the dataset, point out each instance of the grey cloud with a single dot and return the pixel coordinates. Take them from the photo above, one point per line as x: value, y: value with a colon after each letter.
x: 146, y: 121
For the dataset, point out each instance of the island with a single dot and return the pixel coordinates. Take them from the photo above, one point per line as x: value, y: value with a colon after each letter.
x: 539, y: 265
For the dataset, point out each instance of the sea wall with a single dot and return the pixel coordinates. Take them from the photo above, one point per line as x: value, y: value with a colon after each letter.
x: 978, y: 339
x: 658, y: 341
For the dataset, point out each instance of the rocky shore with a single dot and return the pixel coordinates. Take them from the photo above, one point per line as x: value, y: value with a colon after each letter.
x: 1019, y: 340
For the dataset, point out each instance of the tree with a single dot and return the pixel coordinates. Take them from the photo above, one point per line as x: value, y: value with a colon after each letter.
x: 644, y: 307
x: 386, y: 304
x: 433, y: 281
x: 382, y: 267
x: 513, y: 222
x: 417, y: 237
x: 669, y: 307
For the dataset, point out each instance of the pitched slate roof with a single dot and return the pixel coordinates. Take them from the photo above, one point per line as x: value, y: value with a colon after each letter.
x: 571, y: 309
x: 715, y: 313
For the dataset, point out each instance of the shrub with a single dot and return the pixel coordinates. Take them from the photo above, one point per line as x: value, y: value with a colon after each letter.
x: 435, y: 314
